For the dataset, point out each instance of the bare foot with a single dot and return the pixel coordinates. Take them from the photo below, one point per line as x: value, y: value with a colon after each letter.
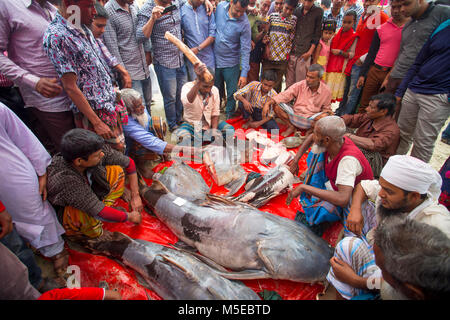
x: 290, y: 130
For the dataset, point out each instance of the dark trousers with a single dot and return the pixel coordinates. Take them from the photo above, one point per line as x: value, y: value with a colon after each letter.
x: 279, y: 67
x: 256, y: 115
x: 55, y: 125
x: 17, y: 245
x: 375, y: 78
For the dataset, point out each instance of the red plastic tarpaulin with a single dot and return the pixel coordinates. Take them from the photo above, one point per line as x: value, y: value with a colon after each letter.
x: 97, y: 268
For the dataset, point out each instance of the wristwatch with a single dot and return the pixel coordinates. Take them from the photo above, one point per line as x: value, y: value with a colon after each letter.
x: 199, y: 49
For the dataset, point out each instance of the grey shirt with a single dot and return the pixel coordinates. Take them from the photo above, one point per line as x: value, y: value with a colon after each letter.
x: 414, y: 35
x: 120, y: 39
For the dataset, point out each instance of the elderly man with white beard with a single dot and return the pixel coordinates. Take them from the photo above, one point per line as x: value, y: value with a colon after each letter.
x: 142, y: 145
x: 408, y: 188
x: 335, y: 167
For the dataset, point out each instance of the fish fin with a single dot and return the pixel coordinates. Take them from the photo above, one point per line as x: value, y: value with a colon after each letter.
x: 219, y: 199
x: 235, y: 185
x: 209, y: 262
x: 183, y: 246
x: 167, y: 259
x: 244, y: 275
x: 159, y: 186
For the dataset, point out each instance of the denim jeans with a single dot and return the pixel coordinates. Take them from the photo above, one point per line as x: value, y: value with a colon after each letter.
x: 446, y: 133
x: 144, y: 87
x: 231, y: 77
x: 14, y: 242
x: 351, y: 93
x: 170, y: 82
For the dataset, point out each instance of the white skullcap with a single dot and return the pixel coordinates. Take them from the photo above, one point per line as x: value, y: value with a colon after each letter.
x: 411, y: 174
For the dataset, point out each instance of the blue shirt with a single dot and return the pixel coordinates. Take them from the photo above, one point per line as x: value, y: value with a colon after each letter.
x: 133, y: 130
x: 233, y: 40
x: 197, y: 26
x: 430, y: 73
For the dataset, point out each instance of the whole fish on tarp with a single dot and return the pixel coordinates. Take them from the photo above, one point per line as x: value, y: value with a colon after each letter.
x: 184, y: 180
x: 172, y: 274
x: 253, y: 243
x: 260, y: 190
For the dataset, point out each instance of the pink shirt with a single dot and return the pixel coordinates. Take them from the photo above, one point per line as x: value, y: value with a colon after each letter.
x: 194, y: 112
x: 390, y: 37
x: 307, y: 103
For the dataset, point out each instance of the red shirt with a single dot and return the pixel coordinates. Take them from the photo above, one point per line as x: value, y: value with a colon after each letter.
x: 365, y: 31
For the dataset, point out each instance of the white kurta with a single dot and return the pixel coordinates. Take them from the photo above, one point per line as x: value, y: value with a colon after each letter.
x: 22, y: 159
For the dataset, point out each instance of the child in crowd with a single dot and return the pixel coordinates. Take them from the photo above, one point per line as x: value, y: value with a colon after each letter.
x: 252, y: 99
x: 281, y: 36
x: 341, y: 49
x: 322, y: 50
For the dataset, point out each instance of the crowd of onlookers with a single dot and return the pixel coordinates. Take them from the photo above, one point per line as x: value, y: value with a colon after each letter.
x: 76, y: 85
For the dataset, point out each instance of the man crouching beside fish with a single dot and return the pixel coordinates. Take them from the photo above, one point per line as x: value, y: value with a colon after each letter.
x: 85, y: 179
x: 335, y: 167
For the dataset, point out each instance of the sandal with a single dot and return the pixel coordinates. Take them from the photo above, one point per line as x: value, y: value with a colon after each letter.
x: 60, y: 263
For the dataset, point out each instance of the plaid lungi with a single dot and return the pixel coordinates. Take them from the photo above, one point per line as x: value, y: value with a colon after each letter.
x: 298, y: 121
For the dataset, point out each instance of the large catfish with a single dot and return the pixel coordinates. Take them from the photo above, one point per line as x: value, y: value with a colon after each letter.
x: 171, y: 273
x: 253, y: 243
x: 260, y: 190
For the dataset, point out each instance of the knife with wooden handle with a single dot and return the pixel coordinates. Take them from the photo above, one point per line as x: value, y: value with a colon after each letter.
x: 188, y: 53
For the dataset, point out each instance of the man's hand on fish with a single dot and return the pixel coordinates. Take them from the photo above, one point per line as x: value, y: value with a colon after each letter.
x: 135, y: 217
x: 294, y: 194
x: 136, y: 203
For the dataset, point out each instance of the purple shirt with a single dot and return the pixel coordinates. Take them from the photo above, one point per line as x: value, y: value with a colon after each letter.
x: 22, y: 27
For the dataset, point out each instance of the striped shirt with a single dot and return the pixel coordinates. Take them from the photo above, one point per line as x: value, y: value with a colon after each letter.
x: 120, y: 38
x: 281, y: 36
x: 165, y: 52
x: 252, y: 93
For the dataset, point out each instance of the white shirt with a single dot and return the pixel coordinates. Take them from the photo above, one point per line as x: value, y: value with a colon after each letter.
x: 348, y: 169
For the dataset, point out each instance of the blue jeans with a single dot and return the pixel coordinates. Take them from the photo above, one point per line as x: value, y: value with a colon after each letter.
x: 257, y: 116
x: 231, y: 77
x: 351, y: 93
x: 144, y: 87
x: 16, y: 245
x: 446, y: 133
x: 170, y: 82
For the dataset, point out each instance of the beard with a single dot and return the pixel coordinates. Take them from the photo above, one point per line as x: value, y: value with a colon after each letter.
x: 401, y: 211
x: 142, y: 119
x: 317, y: 149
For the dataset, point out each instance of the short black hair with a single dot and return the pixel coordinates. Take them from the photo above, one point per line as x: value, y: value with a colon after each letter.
x: 326, y: 3
x: 244, y: 3
x: 353, y: 14
x: 292, y: 3
x: 101, y: 11
x: 385, y: 101
x: 80, y: 143
x: 269, y: 75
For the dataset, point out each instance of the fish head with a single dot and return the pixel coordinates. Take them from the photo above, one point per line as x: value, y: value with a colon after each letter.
x: 151, y: 194
x: 109, y: 243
